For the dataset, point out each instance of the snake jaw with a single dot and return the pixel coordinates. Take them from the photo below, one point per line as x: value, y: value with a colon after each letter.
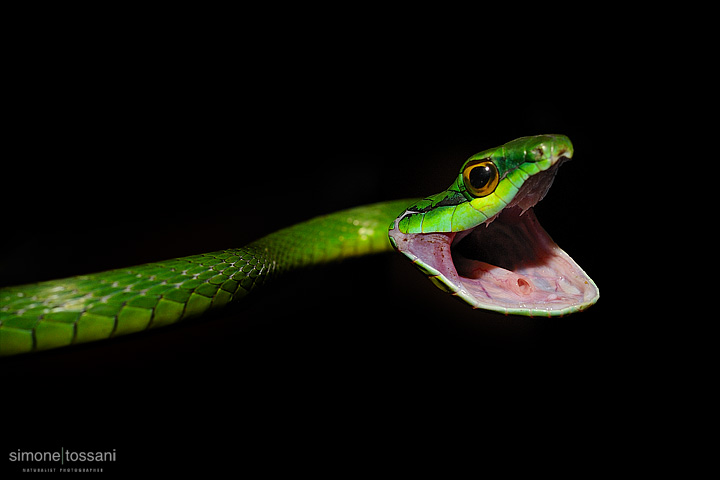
x: 507, y: 264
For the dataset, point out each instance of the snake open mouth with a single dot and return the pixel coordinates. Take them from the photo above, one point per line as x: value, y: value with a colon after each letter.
x: 508, y: 263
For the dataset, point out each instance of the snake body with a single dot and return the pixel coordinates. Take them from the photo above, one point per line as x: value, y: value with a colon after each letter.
x: 108, y: 304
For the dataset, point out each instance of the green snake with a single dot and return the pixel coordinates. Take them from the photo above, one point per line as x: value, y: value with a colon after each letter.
x: 479, y: 240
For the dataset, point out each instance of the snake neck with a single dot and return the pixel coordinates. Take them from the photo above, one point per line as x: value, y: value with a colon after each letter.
x: 93, y: 307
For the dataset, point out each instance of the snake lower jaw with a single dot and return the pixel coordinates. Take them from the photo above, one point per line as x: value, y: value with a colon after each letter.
x: 509, y: 265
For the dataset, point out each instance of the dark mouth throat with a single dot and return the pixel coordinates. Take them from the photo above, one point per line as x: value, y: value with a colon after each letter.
x: 511, y: 251
x: 503, y: 243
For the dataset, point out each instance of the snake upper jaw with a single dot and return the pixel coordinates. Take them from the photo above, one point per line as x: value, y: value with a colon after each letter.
x: 507, y: 264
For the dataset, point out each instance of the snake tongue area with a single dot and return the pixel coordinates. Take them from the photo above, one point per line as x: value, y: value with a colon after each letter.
x: 507, y: 264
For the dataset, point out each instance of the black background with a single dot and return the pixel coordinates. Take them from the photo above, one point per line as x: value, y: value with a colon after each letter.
x: 135, y: 151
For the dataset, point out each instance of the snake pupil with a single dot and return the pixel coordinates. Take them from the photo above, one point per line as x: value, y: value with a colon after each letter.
x: 480, y: 176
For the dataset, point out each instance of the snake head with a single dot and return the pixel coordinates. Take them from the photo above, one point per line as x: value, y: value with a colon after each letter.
x: 480, y: 240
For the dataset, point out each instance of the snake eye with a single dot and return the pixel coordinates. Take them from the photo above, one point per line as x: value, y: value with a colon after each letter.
x: 480, y: 177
